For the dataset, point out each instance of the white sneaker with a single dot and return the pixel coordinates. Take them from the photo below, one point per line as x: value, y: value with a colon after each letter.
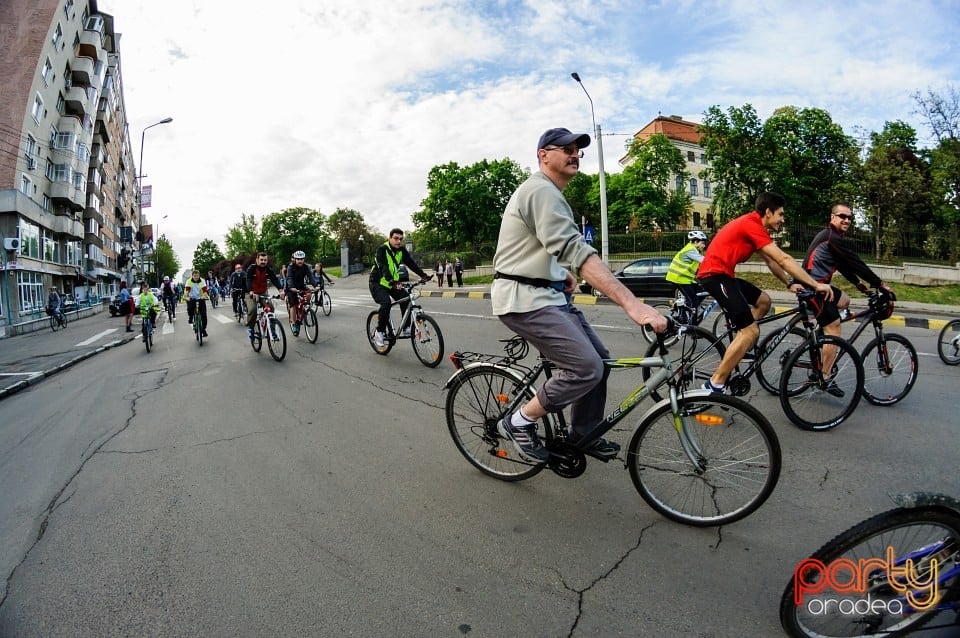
x: 378, y: 339
x: 404, y: 334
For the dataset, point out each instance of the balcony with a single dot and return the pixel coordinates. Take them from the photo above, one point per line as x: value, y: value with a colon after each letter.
x: 92, y: 238
x: 96, y: 156
x: 75, y: 99
x: 102, y: 129
x: 83, y: 71
x: 104, y: 112
x: 93, y: 213
x: 91, y: 44
x: 65, y: 193
x: 68, y: 227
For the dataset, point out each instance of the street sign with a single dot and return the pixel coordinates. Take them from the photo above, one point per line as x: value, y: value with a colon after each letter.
x: 146, y: 194
x: 588, y: 234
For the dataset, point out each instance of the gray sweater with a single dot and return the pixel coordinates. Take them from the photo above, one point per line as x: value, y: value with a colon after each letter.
x: 539, y: 238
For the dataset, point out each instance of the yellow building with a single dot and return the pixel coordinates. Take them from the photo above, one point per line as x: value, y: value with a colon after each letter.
x: 686, y: 137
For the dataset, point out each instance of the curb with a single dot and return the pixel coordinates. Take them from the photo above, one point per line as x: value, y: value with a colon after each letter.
x: 60, y: 367
x: 593, y: 300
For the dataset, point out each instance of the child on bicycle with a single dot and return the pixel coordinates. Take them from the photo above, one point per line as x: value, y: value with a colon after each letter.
x: 148, y: 304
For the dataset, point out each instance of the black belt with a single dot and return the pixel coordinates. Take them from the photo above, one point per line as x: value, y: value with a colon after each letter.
x: 533, y: 281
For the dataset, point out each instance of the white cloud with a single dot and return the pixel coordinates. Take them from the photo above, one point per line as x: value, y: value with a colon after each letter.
x: 351, y: 104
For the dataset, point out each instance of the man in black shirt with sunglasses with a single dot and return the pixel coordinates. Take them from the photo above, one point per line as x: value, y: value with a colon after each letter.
x: 831, y: 252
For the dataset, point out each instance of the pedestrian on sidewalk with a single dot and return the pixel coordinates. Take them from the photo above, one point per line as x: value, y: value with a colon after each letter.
x: 439, y: 269
x: 458, y: 269
x: 126, y: 305
x: 449, y: 271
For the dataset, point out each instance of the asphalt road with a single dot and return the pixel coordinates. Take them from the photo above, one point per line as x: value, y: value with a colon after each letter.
x: 212, y: 491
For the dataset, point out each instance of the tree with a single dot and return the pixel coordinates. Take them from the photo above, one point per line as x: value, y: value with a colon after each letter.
x: 641, y: 193
x: 813, y: 161
x: 738, y: 155
x: 290, y: 230
x: 243, y: 238
x: 894, y: 186
x: 464, y: 205
x: 942, y: 112
x: 166, y: 260
x: 206, y: 256
x: 348, y: 224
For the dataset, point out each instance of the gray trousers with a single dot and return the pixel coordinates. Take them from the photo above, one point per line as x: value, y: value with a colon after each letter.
x: 563, y: 335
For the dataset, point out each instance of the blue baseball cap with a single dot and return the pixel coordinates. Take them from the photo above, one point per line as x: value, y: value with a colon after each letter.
x: 563, y: 137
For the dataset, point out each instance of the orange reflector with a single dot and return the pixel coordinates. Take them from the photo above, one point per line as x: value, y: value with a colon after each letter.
x: 502, y: 398
x: 502, y: 454
x: 709, y: 419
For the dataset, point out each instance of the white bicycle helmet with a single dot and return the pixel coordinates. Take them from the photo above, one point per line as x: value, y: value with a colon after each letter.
x: 166, y: 278
x: 299, y: 255
x: 696, y: 235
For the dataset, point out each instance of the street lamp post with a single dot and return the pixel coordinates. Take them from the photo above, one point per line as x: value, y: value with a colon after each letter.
x: 604, y: 233
x: 143, y: 136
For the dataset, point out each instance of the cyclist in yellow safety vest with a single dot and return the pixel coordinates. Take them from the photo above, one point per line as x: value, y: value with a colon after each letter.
x: 683, y: 268
x: 385, y: 281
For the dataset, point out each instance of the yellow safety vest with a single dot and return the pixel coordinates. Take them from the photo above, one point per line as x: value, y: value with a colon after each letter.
x: 683, y: 271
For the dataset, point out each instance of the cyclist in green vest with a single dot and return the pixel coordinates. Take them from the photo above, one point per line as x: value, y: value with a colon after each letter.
x: 385, y: 281
x: 683, y: 268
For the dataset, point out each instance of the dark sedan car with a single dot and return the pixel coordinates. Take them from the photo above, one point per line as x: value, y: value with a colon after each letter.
x: 644, y: 277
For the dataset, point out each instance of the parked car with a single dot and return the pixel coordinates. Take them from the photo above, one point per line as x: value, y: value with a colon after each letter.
x: 644, y: 277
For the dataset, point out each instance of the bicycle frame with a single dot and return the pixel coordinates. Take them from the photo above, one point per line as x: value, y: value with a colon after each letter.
x: 413, y: 309
x: 664, y: 374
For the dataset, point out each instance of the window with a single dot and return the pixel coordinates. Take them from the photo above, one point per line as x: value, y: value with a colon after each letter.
x: 63, y: 141
x: 691, y: 156
x: 710, y: 221
x: 93, y: 227
x: 47, y: 72
x: 696, y: 219
x: 30, y: 287
x: 54, y: 131
x: 706, y: 188
x: 693, y: 186
x: 46, y: 202
x: 79, y: 181
x: 61, y: 173
x: 26, y: 186
x: 68, y: 9
x: 58, y: 37
x: 37, y: 110
x: 30, y: 148
x: 703, y: 158
x: 679, y: 183
x: 51, y: 251
x: 29, y: 239
x: 49, y: 172
x: 61, y: 103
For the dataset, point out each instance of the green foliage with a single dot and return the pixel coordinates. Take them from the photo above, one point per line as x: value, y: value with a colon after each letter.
x: 290, y: 230
x: 166, y: 259
x: 583, y: 195
x: 464, y: 205
x: 640, y: 196
x: 243, y: 238
x: 798, y: 152
x: 206, y: 256
x: 348, y: 224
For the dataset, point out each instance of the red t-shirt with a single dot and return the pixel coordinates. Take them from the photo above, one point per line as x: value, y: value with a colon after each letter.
x: 733, y: 244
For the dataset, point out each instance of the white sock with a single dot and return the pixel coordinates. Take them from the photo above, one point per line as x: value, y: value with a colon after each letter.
x: 518, y: 419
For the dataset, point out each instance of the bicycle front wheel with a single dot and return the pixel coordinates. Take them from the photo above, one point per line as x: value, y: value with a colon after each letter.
x: 718, y: 468
x: 889, y: 369
x: 927, y: 535
x: 651, y: 337
x: 695, y: 357
x: 54, y: 324
x: 147, y: 340
x: 476, y: 400
x: 326, y: 303
x: 276, y: 340
x: 948, y: 343
x: 310, y: 325
x: 818, y: 399
x: 257, y: 341
x: 769, y: 371
x: 427, y: 340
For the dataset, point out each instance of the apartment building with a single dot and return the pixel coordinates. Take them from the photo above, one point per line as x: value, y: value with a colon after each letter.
x: 686, y: 137
x: 68, y: 200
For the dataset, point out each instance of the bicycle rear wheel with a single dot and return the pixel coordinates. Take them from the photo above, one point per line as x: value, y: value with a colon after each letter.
x: 948, y: 343
x: 649, y: 335
x: 769, y: 371
x: 310, y: 325
x: 920, y: 533
x: 814, y: 399
x: 736, y: 460
x: 372, y: 320
x: 889, y: 369
x: 276, y: 340
x: 427, y: 340
x: 476, y: 399
x: 695, y: 357
x: 54, y: 324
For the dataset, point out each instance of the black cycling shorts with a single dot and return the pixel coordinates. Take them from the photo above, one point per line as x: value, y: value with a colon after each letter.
x: 736, y: 296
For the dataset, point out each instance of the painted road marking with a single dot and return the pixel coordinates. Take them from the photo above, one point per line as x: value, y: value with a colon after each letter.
x: 101, y: 335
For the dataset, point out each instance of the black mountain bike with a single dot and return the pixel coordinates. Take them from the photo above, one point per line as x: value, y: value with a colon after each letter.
x: 948, y: 343
x: 788, y: 362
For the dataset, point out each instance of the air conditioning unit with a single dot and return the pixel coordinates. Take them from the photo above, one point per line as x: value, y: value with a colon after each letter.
x: 11, y: 243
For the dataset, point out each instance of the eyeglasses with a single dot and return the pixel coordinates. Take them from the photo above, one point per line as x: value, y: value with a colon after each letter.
x: 844, y: 216
x: 567, y: 150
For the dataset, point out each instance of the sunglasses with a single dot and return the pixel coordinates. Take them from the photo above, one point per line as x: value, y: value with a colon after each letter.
x: 844, y: 216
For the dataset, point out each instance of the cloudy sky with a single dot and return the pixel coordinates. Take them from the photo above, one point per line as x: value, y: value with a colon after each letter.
x: 350, y: 103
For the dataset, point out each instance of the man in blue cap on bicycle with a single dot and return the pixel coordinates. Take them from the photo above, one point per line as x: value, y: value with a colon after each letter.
x: 539, y: 244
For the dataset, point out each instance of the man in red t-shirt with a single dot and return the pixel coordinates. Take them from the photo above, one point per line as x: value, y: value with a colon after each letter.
x: 743, y: 302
